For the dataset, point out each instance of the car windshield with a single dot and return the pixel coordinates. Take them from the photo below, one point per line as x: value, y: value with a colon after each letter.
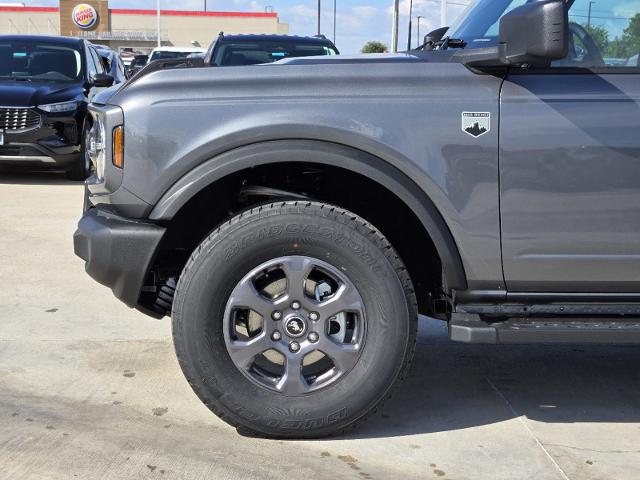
x: 39, y: 61
x: 164, y: 55
x: 479, y: 24
x: 246, y: 53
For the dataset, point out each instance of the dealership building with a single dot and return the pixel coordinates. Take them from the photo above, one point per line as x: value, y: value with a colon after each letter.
x: 125, y: 29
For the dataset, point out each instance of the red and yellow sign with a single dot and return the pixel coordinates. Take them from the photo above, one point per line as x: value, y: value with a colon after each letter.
x: 84, y: 16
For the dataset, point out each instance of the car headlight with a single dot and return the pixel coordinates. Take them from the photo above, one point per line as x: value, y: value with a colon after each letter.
x: 59, y: 107
x: 96, y: 146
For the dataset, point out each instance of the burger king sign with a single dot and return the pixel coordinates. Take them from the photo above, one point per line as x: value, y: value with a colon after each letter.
x: 84, y: 16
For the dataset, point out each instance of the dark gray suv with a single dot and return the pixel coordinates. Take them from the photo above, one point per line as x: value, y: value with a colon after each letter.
x: 294, y: 218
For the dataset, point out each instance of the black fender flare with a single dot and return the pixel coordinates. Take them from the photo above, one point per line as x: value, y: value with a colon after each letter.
x: 327, y: 153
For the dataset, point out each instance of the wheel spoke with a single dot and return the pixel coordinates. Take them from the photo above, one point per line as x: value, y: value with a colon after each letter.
x: 292, y: 382
x: 245, y: 295
x: 296, y: 269
x: 346, y: 299
x: 344, y: 356
x: 243, y: 353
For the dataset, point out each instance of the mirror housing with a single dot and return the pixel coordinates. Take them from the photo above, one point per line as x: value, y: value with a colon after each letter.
x: 535, y: 33
x: 102, y: 80
x: 431, y: 38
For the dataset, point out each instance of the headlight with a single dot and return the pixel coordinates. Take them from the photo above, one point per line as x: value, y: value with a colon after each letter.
x: 96, y: 143
x: 59, y: 107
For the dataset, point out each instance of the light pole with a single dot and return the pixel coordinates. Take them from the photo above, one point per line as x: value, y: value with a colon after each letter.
x: 394, y: 26
x: 410, y: 20
x: 589, y: 17
x: 158, y: 22
x: 205, y: 5
x: 319, y: 16
x: 443, y: 13
x: 334, y: 20
x: 418, y: 43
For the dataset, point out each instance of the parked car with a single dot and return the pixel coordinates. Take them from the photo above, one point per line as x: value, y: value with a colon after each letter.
x: 294, y: 218
x: 234, y: 50
x: 112, y: 63
x: 46, y: 84
x: 634, y: 61
x: 166, y: 53
x: 138, y: 62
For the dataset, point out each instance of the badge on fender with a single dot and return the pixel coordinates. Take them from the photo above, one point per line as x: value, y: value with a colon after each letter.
x: 476, y: 124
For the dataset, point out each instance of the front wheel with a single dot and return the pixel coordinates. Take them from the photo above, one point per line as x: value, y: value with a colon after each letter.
x: 294, y: 320
x: 83, y: 167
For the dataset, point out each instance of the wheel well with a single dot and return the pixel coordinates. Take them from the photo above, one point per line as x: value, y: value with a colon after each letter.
x: 329, y: 184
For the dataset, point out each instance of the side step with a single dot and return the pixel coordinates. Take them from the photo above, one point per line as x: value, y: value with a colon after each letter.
x: 469, y: 328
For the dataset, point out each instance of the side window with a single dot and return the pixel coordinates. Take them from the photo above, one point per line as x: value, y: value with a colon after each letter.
x: 97, y: 61
x: 603, y: 34
x: 91, y: 64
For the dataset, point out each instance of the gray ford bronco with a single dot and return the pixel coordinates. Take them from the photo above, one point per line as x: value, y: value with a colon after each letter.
x: 294, y: 219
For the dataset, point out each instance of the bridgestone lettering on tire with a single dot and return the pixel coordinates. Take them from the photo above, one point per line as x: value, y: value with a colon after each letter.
x: 294, y: 319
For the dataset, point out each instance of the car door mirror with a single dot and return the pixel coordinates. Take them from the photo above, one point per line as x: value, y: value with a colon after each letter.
x: 535, y: 33
x: 102, y: 80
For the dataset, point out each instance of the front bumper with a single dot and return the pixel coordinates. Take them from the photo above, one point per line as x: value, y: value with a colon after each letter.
x: 118, y: 252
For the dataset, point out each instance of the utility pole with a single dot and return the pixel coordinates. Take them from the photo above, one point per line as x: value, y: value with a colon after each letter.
x: 205, y: 5
x: 410, y: 20
x: 394, y: 27
x: 334, y: 20
x: 443, y: 13
x: 589, y: 17
x: 418, y: 40
x: 319, y: 5
x: 158, y: 22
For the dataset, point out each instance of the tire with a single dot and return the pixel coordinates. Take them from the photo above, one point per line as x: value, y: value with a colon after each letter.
x: 82, y: 168
x: 342, y: 244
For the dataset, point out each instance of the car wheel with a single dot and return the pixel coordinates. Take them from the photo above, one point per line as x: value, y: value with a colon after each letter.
x: 294, y: 319
x: 83, y: 167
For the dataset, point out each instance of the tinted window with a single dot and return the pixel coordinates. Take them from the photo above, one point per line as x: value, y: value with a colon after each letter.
x: 245, y: 53
x: 40, y: 61
x: 605, y: 33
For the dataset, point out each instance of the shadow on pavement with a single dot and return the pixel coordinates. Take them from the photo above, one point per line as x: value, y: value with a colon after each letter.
x: 454, y: 386
x: 9, y: 177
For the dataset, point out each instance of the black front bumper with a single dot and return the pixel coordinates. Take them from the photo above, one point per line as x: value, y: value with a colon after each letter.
x: 118, y: 251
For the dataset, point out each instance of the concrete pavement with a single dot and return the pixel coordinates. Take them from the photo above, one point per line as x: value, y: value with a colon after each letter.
x: 91, y: 390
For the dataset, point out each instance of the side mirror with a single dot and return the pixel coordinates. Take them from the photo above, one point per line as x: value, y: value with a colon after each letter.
x: 431, y: 38
x: 102, y: 80
x: 535, y: 33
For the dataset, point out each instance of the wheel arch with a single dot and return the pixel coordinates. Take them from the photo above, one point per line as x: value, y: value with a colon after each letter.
x: 322, y: 153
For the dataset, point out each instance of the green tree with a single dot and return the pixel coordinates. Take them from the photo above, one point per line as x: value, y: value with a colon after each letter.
x: 631, y: 35
x: 374, y: 47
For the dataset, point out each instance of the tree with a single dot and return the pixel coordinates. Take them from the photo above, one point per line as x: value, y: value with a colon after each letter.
x: 631, y: 35
x: 374, y: 47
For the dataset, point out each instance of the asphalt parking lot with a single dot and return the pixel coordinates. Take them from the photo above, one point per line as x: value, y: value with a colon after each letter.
x: 90, y: 389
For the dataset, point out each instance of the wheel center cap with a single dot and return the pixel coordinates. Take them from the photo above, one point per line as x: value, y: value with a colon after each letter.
x: 295, y: 327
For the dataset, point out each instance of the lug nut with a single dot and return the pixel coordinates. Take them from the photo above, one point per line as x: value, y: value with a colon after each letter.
x: 294, y: 347
x: 313, y: 337
x: 295, y: 305
x: 275, y: 336
x: 314, y: 316
x: 277, y: 315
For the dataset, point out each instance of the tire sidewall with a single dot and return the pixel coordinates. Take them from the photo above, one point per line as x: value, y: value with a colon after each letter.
x: 220, y: 263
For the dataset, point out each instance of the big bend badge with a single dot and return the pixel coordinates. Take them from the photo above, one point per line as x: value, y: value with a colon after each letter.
x: 476, y: 124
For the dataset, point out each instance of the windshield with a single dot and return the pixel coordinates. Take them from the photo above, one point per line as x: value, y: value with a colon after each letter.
x: 244, y: 53
x: 164, y: 55
x: 479, y: 24
x: 39, y: 61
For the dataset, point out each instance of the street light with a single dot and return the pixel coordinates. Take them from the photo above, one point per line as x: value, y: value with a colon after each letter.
x: 418, y: 43
x: 319, y: 16
x: 394, y: 26
x: 410, y: 19
x: 158, y: 22
x: 589, y: 17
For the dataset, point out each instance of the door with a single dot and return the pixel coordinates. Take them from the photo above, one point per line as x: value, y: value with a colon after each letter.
x: 570, y: 160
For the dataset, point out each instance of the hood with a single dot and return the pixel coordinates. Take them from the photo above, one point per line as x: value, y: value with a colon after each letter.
x: 366, y: 58
x: 105, y: 95
x: 31, y: 94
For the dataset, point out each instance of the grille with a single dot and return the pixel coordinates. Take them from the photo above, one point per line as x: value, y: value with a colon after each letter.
x: 18, y: 118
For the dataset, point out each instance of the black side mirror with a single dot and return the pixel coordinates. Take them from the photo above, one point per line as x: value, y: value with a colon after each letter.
x: 102, y: 80
x: 431, y: 38
x: 535, y: 33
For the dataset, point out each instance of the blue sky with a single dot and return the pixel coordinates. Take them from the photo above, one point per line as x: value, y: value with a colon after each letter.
x: 358, y: 20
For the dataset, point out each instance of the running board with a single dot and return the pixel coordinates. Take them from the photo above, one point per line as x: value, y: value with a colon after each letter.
x: 469, y: 328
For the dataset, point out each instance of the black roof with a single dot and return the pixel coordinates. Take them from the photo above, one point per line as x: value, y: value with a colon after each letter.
x: 315, y: 40
x: 60, y: 40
